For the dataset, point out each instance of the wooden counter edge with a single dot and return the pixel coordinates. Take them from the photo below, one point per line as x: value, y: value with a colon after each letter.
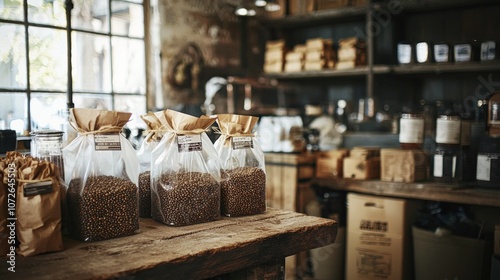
x: 193, y: 252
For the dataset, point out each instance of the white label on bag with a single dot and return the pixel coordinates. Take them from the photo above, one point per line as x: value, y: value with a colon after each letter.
x: 189, y: 143
x: 483, y: 168
x: 107, y: 142
x: 37, y: 188
x: 241, y: 142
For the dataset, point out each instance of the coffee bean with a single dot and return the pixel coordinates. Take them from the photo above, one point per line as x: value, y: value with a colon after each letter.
x: 243, y: 192
x: 145, y: 195
x: 106, y: 207
x: 184, y: 198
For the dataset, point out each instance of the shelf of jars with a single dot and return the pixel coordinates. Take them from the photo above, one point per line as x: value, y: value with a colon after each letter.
x: 327, y: 73
x: 438, y: 68
x: 433, y: 191
x: 493, y: 66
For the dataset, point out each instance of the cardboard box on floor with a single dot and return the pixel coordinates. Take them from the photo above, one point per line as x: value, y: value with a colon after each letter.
x: 379, y: 237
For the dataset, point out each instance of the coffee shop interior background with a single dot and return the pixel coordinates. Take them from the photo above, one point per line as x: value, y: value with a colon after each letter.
x: 117, y: 62
x: 344, y: 71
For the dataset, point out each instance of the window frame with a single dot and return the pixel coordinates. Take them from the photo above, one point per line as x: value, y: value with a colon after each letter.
x: 27, y: 92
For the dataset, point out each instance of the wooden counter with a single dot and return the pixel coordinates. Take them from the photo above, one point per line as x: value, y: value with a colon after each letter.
x: 228, y: 245
x: 425, y: 191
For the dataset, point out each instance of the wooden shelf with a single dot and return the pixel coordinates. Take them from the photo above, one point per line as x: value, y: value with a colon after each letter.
x: 447, y: 68
x: 318, y: 17
x: 466, y: 67
x: 358, y: 71
x: 437, y: 5
x: 197, y: 251
x: 424, y: 191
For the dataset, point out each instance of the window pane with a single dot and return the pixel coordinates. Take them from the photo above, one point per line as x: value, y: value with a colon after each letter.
x: 47, y: 111
x: 90, y: 15
x: 48, y: 66
x: 127, y: 19
x: 91, y: 63
x: 128, y: 65
x: 12, y: 56
x: 133, y: 104
x: 11, y: 9
x: 93, y: 101
x: 47, y: 12
x: 13, y: 111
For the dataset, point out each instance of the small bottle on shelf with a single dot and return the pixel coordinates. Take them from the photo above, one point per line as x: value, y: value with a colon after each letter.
x: 447, y: 148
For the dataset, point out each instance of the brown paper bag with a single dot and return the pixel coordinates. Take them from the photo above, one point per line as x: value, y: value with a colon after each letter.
x: 38, y: 205
x: 243, y: 190
x: 4, y: 233
x: 8, y: 182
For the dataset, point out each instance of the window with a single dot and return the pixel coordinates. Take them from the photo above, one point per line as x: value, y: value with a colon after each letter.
x: 108, y: 64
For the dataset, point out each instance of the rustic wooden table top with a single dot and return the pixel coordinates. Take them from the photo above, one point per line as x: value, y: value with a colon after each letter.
x: 190, y: 252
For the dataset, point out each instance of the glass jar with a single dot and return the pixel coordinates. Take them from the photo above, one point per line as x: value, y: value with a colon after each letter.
x: 48, y: 145
x: 411, y: 131
x: 447, y: 148
x: 448, y: 130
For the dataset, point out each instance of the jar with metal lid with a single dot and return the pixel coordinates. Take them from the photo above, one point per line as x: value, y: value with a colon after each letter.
x: 411, y: 131
x: 448, y: 130
x: 48, y: 145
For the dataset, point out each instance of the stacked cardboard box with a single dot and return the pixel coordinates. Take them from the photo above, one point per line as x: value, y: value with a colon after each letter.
x: 330, y: 163
x: 319, y: 54
x: 351, y: 53
x: 379, y: 237
x: 399, y: 165
x: 363, y: 163
x: 274, y: 56
x: 294, y: 59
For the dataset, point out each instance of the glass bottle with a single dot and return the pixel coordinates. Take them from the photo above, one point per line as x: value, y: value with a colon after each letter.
x: 447, y: 148
x: 48, y: 145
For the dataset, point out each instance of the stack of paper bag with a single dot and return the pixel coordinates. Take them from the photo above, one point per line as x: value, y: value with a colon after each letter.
x: 351, y: 53
x: 319, y: 54
x: 274, y: 56
x: 294, y: 60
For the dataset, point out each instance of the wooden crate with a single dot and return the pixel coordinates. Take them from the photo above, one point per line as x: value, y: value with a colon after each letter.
x: 287, y: 177
x: 288, y: 186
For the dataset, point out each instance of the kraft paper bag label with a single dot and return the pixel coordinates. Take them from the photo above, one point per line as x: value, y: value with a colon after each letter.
x: 107, y: 142
x: 189, y: 143
x: 37, y: 188
x: 241, y: 143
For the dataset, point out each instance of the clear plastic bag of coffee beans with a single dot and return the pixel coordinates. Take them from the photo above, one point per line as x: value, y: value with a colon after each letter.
x: 149, y: 143
x: 243, y: 188
x: 185, y: 172
x: 101, y: 168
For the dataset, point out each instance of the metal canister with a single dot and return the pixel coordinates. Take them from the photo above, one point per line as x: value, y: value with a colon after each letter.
x: 411, y: 131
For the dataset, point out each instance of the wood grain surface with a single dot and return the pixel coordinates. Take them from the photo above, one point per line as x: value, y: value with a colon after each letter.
x: 191, y: 252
